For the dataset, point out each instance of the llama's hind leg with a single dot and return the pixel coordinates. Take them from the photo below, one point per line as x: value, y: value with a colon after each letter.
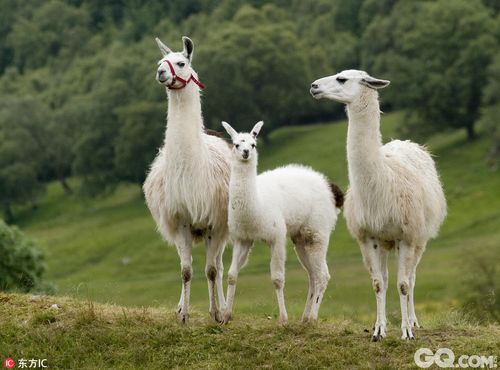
x: 278, y: 258
x: 240, y: 256
x: 411, y: 306
x: 214, y: 248
x: 304, y: 260
x: 220, y: 286
x: 407, y: 261
x: 184, y: 246
x: 317, y: 256
x: 375, y: 260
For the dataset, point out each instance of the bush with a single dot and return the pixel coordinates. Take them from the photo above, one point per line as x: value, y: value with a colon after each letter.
x: 21, y: 261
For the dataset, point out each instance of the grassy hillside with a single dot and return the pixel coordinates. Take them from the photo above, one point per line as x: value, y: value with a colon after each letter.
x: 107, y: 249
x: 84, y: 335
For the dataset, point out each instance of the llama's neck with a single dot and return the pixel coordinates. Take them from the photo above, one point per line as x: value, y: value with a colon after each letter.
x: 184, y: 121
x: 363, y: 137
x: 243, y: 196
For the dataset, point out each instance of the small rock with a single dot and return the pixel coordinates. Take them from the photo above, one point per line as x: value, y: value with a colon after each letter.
x: 35, y: 298
x: 55, y: 306
x: 269, y: 317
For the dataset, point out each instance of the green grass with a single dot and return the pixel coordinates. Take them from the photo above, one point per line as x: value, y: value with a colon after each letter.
x: 85, y: 335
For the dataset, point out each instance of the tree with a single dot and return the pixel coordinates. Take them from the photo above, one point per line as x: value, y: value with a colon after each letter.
x: 435, y: 53
x: 491, y: 112
x: 140, y: 135
x: 49, y: 140
x: 22, y: 151
x: 63, y: 130
x: 94, y: 148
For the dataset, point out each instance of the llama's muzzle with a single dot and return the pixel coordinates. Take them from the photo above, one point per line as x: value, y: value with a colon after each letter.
x: 315, y: 90
x: 161, y: 76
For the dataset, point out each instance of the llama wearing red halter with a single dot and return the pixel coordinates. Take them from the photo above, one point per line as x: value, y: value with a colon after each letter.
x: 187, y: 187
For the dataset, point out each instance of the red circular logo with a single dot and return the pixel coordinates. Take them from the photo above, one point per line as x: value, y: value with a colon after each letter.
x: 9, y: 363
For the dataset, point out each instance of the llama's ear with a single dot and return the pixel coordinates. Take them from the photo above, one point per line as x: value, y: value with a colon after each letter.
x: 256, y: 129
x: 229, y: 130
x: 163, y: 48
x: 375, y: 83
x: 188, y: 47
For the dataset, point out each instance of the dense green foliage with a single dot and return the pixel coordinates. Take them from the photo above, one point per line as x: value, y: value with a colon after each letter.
x: 21, y: 265
x: 491, y: 110
x: 83, y: 72
x: 436, y: 54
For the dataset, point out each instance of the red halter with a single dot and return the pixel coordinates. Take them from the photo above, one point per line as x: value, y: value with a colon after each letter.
x: 184, y: 82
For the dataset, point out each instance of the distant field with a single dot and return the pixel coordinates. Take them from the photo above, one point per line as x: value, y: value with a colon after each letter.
x: 107, y: 249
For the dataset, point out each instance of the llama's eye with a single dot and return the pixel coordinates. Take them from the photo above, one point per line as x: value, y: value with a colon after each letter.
x: 181, y: 64
x: 253, y: 145
x: 341, y: 80
x: 237, y: 146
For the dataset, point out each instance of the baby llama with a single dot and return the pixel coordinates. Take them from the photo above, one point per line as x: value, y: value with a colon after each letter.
x: 292, y: 200
x: 186, y: 189
x: 395, y: 198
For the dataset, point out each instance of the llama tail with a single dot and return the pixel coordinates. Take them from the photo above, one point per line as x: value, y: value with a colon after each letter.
x: 338, y: 194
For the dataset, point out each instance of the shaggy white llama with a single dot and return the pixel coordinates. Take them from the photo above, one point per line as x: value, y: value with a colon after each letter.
x: 187, y: 187
x: 395, y: 197
x: 292, y: 200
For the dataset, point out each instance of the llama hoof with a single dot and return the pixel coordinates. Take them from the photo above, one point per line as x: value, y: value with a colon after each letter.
x: 284, y: 320
x: 216, y: 316
x: 414, y: 323
x: 407, y: 334
x: 226, y: 317
x: 378, y: 332
x: 309, y: 320
x: 183, y: 317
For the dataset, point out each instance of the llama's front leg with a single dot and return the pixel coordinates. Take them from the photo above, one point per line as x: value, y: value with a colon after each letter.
x: 214, y: 248
x: 184, y: 245
x: 181, y: 300
x: 240, y: 256
x: 375, y: 260
x: 278, y: 258
x: 406, y: 265
x: 411, y: 306
x: 383, y: 256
